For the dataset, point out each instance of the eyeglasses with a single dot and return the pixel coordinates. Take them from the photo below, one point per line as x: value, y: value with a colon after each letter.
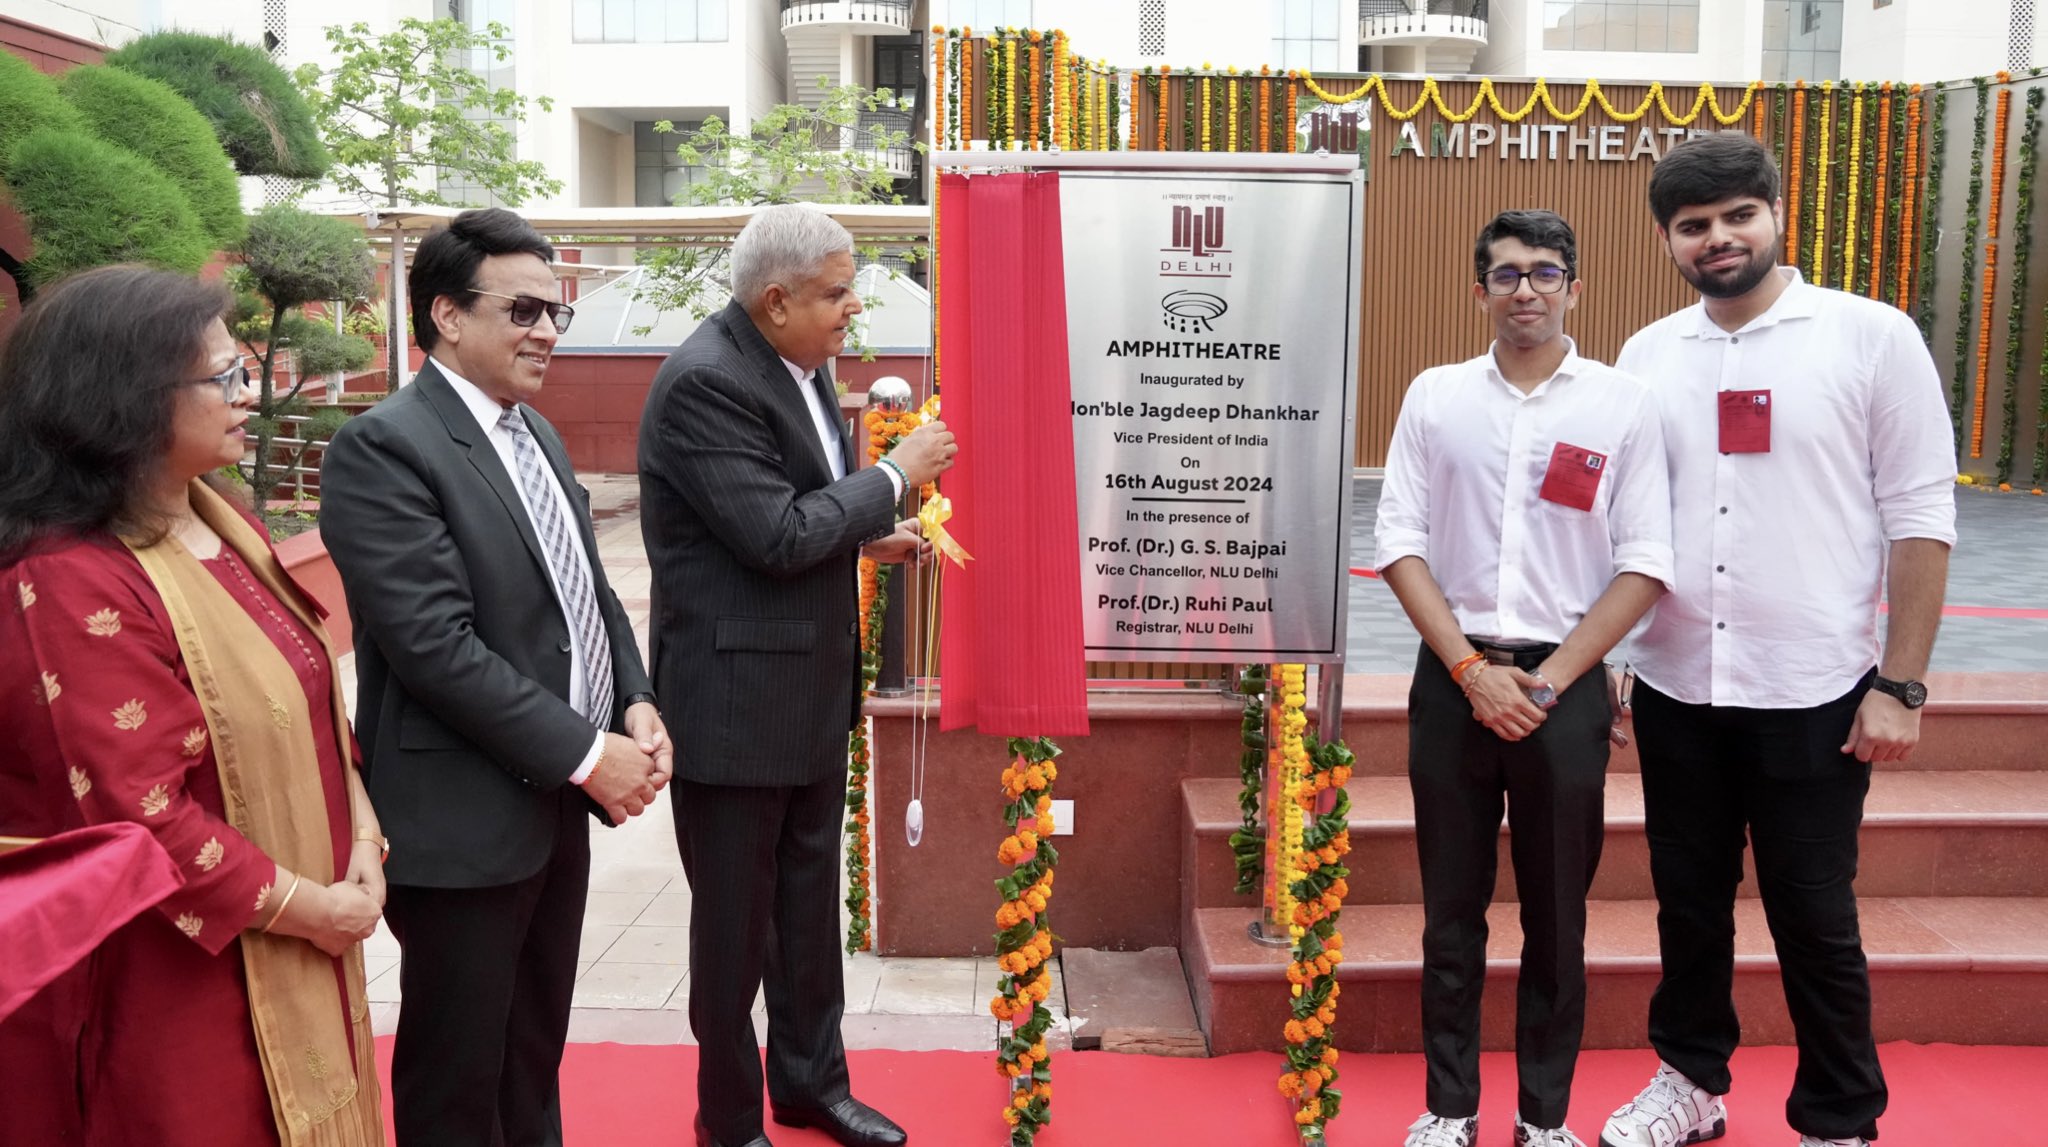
x: 526, y: 310
x: 232, y: 382
x: 1545, y: 280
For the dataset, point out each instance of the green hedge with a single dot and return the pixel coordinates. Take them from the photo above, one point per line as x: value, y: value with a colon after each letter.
x: 259, y: 116
x: 90, y: 203
x: 156, y: 123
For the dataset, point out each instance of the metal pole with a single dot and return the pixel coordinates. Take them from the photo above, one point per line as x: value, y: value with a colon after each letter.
x: 394, y: 339
x: 1269, y: 929
x: 892, y: 396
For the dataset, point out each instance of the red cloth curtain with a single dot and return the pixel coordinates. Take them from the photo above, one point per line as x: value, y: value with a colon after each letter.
x: 61, y: 897
x: 1010, y: 629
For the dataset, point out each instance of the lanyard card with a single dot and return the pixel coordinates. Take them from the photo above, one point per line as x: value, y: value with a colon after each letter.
x: 1745, y: 421
x: 1573, y: 476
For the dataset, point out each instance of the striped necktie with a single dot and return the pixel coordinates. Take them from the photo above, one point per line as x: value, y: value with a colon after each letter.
x: 572, y: 577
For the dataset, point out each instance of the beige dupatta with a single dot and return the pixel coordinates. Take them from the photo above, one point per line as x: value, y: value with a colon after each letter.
x: 260, y: 725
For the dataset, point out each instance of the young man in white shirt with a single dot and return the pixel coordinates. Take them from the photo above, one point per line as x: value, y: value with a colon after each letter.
x: 1812, y: 468
x: 1525, y: 525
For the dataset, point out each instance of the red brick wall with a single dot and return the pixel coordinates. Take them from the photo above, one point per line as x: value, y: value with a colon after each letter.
x: 595, y: 400
x: 50, y: 52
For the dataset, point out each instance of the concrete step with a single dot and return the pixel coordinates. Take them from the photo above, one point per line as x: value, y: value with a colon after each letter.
x: 1925, y: 833
x: 1975, y: 721
x: 1954, y: 970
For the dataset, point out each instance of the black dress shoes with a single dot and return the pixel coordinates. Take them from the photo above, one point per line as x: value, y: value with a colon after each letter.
x: 849, y: 1121
x: 704, y: 1138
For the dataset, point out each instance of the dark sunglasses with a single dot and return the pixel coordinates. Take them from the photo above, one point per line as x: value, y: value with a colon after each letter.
x: 526, y: 310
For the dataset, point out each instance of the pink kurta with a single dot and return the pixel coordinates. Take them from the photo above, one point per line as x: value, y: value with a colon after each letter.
x: 99, y: 723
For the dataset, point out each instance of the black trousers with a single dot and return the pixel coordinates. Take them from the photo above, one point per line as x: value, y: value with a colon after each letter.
x: 486, y: 977
x: 1710, y: 774
x: 1552, y: 785
x: 763, y: 865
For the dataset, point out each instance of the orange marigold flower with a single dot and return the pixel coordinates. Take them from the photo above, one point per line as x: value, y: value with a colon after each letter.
x: 1330, y: 1056
x: 1290, y: 1085
x: 1294, y: 1032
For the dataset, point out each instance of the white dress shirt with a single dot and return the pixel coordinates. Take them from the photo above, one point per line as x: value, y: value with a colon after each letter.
x: 487, y: 411
x: 828, y: 428
x: 1463, y: 483
x: 1781, y: 555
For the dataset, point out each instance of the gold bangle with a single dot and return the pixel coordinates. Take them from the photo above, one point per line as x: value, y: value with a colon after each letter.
x: 382, y: 842
x: 284, y: 903
x: 596, y: 764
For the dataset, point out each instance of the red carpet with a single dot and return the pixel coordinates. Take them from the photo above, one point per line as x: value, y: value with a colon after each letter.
x: 624, y: 1096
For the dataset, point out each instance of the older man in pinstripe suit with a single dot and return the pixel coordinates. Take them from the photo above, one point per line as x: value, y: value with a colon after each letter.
x: 753, y: 514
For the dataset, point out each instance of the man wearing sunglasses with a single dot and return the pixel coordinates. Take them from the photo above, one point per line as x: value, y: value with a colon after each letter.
x: 501, y: 696
x: 1525, y: 525
x: 754, y: 513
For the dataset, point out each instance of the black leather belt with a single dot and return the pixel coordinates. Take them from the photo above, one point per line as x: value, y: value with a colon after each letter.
x: 1525, y: 655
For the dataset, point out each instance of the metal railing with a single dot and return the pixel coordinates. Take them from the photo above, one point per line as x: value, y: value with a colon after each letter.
x: 897, y: 156
x: 1396, y: 17
x: 893, y: 12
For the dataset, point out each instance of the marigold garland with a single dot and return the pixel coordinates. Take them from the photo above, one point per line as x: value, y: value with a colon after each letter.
x: 1248, y: 842
x: 966, y: 87
x: 1105, y: 104
x: 1265, y: 115
x: 1159, y: 105
x: 940, y: 41
x: 1205, y: 113
x: 1959, y: 391
x: 1135, y: 104
x: 1880, y: 190
x: 1823, y: 151
x: 1289, y: 682
x: 1316, y: 881
x: 1231, y: 95
x: 1706, y: 99
x: 1062, y: 105
x: 1756, y: 125
x: 1902, y: 294
x: 1023, y: 937
x: 2022, y: 245
x: 1855, y: 173
x: 1293, y: 116
x: 1929, y: 220
x: 1990, y: 266
x: 1033, y: 118
x: 1796, y: 169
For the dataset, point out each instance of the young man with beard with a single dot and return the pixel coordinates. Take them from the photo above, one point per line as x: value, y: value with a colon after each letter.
x: 1811, y: 470
x: 1525, y: 525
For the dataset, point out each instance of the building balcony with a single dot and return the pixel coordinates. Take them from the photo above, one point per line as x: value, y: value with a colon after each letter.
x: 866, y: 17
x: 1422, y: 22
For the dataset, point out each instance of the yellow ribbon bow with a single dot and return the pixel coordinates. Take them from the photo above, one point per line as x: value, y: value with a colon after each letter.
x: 933, y: 516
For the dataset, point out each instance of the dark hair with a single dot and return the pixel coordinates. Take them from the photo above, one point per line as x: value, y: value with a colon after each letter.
x: 1544, y: 229
x: 89, y: 380
x: 1711, y: 168
x: 447, y: 260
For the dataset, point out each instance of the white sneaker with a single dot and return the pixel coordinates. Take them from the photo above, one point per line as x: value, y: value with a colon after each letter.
x: 1436, y: 1131
x: 1527, y: 1136
x: 1671, y: 1112
x: 1817, y: 1141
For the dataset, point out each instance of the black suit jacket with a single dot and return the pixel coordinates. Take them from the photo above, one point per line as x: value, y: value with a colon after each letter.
x: 753, y: 636
x: 462, y: 653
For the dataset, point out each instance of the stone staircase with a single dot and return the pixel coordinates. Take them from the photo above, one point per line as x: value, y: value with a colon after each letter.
x: 1953, y: 881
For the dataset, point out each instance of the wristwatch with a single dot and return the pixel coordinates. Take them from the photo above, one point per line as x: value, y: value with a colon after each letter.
x: 636, y: 698
x: 1911, y: 694
x: 1543, y: 696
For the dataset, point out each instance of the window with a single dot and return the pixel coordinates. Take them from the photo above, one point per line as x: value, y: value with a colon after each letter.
x: 982, y: 15
x: 659, y: 174
x: 1621, y: 26
x: 899, y: 67
x: 1802, y: 40
x: 498, y: 75
x: 647, y: 21
x: 1305, y: 34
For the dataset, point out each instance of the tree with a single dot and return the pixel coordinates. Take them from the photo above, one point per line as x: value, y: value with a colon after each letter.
x: 100, y: 166
x: 405, y: 110
x: 256, y: 112
x: 292, y: 258
x: 162, y: 127
x: 790, y: 154
x: 90, y: 203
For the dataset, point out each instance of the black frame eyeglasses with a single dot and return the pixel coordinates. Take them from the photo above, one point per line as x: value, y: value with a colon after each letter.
x: 232, y: 382
x: 1544, y: 280
x: 526, y: 310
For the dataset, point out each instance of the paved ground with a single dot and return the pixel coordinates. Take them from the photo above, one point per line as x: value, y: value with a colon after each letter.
x: 634, y: 986
x: 2000, y: 563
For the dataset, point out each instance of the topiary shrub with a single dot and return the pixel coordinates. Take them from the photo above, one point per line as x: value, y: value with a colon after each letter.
x: 155, y: 122
x: 262, y: 121
x: 89, y: 203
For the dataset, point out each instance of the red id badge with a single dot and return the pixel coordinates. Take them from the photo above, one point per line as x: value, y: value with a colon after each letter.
x: 1573, y: 477
x: 1745, y: 421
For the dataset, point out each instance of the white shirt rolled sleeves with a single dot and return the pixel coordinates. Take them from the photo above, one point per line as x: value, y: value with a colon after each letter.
x: 1463, y: 483
x: 1781, y: 555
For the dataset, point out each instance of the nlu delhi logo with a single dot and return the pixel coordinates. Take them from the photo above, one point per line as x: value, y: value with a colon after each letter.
x: 1198, y: 235
x: 1192, y: 312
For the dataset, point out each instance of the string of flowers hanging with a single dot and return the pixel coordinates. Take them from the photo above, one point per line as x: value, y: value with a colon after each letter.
x: 2004, y: 101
